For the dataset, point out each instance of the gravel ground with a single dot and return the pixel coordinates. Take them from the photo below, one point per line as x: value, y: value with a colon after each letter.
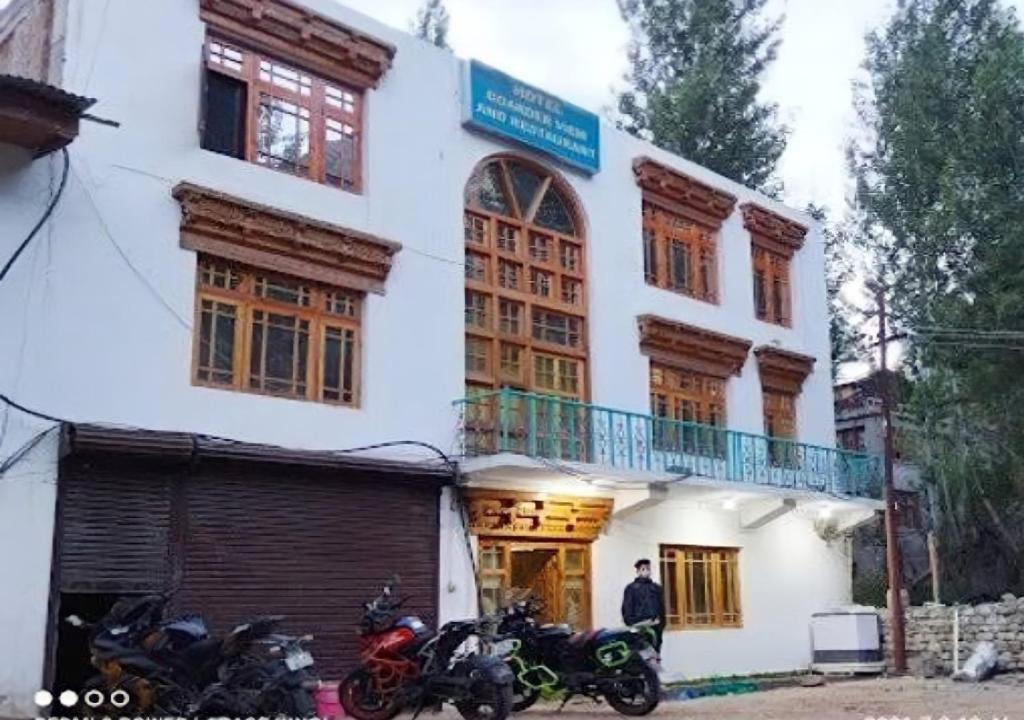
x: 889, y: 698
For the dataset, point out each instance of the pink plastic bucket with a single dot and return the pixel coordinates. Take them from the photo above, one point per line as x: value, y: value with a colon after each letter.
x: 328, y: 706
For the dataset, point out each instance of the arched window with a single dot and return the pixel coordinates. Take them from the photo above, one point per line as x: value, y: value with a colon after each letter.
x: 525, y: 282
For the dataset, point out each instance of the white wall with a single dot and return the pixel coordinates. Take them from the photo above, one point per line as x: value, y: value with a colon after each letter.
x: 786, y: 573
x: 27, y: 496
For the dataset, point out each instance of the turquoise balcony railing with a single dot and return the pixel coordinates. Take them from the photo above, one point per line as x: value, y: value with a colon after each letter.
x: 563, y: 430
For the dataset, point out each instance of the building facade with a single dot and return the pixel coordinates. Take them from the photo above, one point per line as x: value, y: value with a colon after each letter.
x: 310, y: 234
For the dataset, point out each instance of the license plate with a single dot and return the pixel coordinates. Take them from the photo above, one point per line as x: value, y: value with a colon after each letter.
x: 298, y: 660
x: 504, y: 648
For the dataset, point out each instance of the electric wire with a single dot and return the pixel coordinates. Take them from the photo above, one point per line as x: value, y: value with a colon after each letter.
x: 46, y: 214
x: 24, y: 450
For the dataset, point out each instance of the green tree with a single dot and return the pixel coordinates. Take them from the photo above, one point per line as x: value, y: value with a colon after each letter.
x: 431, y: 23
x: 696, y: 68
x: 942, y: 183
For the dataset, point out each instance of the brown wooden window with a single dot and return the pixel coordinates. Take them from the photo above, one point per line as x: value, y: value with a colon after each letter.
x: 701, y: 586
x: 273, y: 334
x: 519, y: 217
x: 771, y: 287
x: 679, y: 254
x: 682, y: 397
x: 274, y: 114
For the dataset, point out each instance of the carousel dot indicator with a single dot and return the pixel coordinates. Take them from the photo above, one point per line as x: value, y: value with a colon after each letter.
x: 44, y: 698
x: 69, y: 698
x: 93, y: 698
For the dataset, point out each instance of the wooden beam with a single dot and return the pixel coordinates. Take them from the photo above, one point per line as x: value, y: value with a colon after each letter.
x: 758, y: 513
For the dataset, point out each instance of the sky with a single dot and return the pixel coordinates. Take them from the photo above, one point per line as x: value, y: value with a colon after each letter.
x: 577, y: 50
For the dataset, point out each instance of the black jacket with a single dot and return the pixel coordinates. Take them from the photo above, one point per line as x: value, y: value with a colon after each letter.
x: 643, y: 600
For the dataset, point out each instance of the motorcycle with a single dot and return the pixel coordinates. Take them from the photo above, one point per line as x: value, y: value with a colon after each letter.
x: 404, y: 665
x: 619, y: 665
x: 172, y: 667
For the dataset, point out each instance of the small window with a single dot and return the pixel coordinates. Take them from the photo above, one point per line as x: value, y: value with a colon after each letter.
x: 570, y: 256
x: 701, y: 586
x: 572, y: 291
x: 478, y: 356
x: 679, y: 255
x: 540, y: 283
x: 511, y: 361
x: 510, y: 317
x: 475, y: 230
x: 476, y: 267
x: 508, y: 238
x: 771, y: 287
x: 477, y: 310
x: 556, y: 375
x: 301, y: 339
x: 510, y: 275
x: 540, y: 248
x: 556, y: 328
x: 298, y: 123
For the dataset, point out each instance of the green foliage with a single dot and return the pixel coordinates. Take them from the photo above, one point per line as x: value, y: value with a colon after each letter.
x: 431, y: 23
x: 695, y: 77
x: 869, y: 589
x: 942, y: 183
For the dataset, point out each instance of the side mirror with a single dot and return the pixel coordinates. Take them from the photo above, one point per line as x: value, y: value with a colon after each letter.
x: 74, y: 621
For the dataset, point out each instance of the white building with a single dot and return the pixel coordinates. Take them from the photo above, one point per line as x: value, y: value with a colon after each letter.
x: 365, y: 258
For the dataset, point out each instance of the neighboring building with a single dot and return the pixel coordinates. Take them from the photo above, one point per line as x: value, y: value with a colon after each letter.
x: 295, y: 240
x: 859, y: 428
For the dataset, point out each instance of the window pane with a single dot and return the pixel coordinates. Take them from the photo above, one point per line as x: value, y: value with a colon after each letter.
x: 216, y: 342
x: 574, y: 599
x: 525, y: 183
x: 283, y: 291
x: 485, y: 191
x: 476, y: 267
x: 679, y: 264
x: 553, y: 213
x: 508, y: 238
x: 510, y: 317
x: 225, y: 108
x: 284, y: 77
x: 510, y: 275
x: 572, y: 291
x: 280, y: 347
x: 650, y: 259
x: 340, y: 154
x: 540, y: 248
x: 477, y: 310
x: 570, y: 256
x: 339, y: 361
x: 477, y: 352
x: 225, y: 56
x: 476, y: 230
x: 511, y: 361
x: 283, y: 135
x: 340, y: 98
x: 540, y: 283
x: 339, y: 303
x: 556, y: 328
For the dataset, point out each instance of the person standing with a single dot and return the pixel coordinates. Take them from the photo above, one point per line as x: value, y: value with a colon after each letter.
x: 643, y: 600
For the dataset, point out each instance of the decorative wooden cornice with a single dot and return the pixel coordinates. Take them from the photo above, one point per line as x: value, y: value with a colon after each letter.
x: 298, y: 35
x: 691, y: 348
x: 772, y: 231
x: 781, y: 370
x: 506, y: 513
x: 683, y: 194
x: 246, y: 232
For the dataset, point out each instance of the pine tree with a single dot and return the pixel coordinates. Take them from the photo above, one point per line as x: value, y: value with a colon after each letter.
x: 942, y: 182
x: 431, y: 23
x: 696, y: 68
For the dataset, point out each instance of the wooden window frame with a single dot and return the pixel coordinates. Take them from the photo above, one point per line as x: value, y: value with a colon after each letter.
x: 245, y: 301
x: 773, y: 270
x: 723, y: 595
x: 482, y: 233
x: 664, y: 231
x: 321, y: 112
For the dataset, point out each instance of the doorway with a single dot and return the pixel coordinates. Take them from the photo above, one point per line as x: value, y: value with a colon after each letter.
x: 556, y: 573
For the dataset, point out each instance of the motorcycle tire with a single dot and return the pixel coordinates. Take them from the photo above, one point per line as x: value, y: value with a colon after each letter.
x: 635, y: 704
x: 353, y: 692
x: 291, y: 703
x: 523, y: 698
x: 499, y: 705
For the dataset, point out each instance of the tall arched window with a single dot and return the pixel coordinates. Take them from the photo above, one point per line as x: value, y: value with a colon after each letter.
x: 525, y: 282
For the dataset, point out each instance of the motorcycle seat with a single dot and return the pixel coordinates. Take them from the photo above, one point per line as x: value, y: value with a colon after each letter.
x: 553, y: 631
x: 583, y: 638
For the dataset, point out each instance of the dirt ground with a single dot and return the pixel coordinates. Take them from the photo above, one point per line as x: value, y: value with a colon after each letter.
x: 889, y: 698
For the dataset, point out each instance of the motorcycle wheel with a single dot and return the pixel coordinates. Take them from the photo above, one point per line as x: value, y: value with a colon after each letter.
x: 496, y: 707
x: 523, y: 698
x: 360, y: 699
x: 637, y: 694
x: 292, y: 703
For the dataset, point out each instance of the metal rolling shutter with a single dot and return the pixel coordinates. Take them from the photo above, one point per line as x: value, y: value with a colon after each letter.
x: 311, y: 544
x: 113, y: 526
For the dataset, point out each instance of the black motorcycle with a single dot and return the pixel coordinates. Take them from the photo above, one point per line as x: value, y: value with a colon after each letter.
x: 404, y: 665
x: 156, y: 666
x: 551, y: 661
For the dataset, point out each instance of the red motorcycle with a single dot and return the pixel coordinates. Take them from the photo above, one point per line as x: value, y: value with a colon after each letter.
x: 404, y: 665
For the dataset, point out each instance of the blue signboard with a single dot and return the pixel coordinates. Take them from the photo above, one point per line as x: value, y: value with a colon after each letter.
x: 498, y: 103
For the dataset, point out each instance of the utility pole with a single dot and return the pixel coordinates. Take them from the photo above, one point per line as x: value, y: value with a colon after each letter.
x: 894, y: 560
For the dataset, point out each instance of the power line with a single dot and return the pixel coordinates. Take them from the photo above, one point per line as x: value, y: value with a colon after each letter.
x: 46, y: 214
x: 124, y: 256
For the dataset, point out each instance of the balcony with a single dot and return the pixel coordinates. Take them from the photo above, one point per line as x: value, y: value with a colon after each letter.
x: 565, y: 431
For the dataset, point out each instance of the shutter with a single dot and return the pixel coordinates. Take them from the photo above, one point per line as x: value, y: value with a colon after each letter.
x: 308, y: 544
x: 224, y: 107
x: 114, y: 527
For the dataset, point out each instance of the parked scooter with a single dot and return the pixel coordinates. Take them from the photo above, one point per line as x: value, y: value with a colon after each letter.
x: 152, y: 666
x: 619, y: 665
x: 404, y: 665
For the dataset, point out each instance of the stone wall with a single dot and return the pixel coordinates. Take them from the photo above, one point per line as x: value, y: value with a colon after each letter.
x: 929, y: 634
